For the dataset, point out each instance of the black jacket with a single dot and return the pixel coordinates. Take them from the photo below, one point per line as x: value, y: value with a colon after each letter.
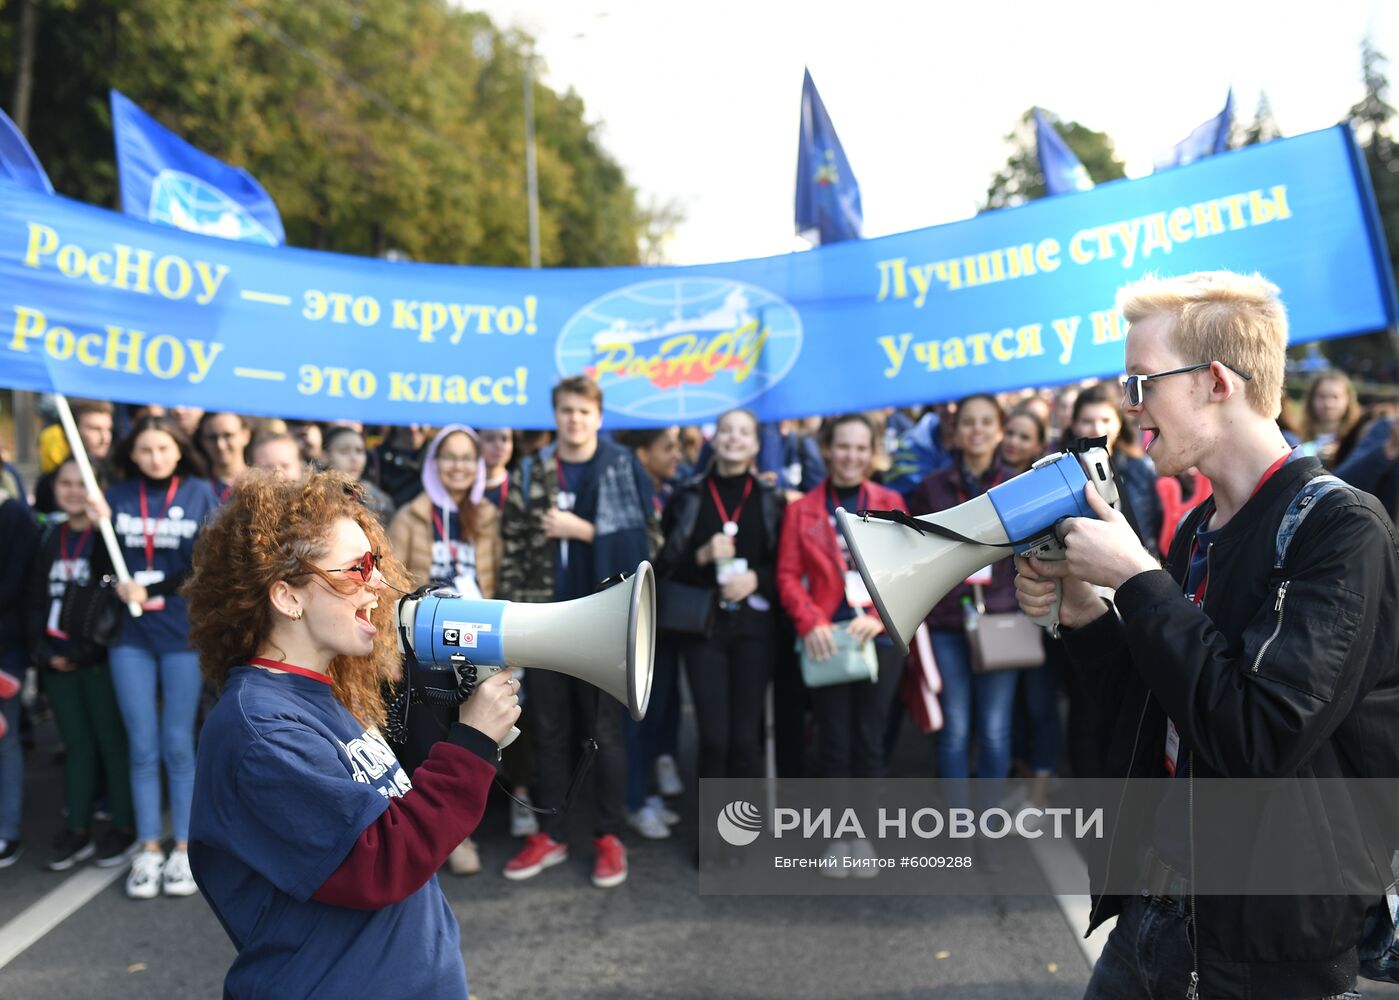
x: 41, y: 651
x: 1311, y: 692
x: 676, y: 559
x: 19, y: 538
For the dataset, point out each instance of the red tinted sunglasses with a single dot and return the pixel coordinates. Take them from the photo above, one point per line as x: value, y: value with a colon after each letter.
x: 364, y: 569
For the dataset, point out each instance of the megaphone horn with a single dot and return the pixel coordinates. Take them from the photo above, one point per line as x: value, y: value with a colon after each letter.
x: 607, y: 639
x: 909, y: 564
x: 907, y: 571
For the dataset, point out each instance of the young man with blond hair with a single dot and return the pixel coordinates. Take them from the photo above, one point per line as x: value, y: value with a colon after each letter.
x: 1226, y: 665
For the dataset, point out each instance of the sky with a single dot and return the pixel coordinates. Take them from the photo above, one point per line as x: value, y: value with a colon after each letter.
x: 699, y: 102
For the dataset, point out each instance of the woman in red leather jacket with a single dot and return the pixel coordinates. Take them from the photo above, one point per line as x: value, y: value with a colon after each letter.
x: 821, y: 591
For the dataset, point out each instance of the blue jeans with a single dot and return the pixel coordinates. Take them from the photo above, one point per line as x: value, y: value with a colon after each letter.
x: 1040, y: 688
x: 636, y: 766
x: 135, y: 671
x: 1148, y: 955
x: 660, y: 730
x: 989, y: 698
x: 11, y: 755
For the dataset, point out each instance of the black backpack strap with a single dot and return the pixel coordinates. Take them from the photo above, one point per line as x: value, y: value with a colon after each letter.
x: 1303, y: 503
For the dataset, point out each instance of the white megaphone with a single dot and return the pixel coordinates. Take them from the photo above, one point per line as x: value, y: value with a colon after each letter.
x: 607, y: 639
x: 910, y: 563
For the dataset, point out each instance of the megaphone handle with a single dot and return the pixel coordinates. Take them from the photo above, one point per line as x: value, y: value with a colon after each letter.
x: 1050, y: 550
x: 510, y: 737
x: 1050, y: 619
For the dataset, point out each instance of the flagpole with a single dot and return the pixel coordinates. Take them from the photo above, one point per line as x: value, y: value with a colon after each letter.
x: 104, y: 524
x: 531, y: 168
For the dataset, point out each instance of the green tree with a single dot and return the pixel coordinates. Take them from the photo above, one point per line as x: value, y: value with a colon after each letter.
x: 374, y: 124
x: 1371, y: 117
x: 1263, y: 127
x: 1020, y: 180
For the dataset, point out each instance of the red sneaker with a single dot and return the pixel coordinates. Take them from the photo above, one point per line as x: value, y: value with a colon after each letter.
x: 540, y: 851
x: 610, y: 865
x: 9, y: 685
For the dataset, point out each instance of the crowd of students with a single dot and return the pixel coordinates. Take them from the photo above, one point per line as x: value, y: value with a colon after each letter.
x: 758, y: 593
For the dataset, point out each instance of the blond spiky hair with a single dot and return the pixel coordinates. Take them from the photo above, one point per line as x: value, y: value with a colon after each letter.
x: 1235, y: 319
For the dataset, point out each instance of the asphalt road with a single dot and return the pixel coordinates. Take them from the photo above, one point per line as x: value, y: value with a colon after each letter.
x: 557, y: 936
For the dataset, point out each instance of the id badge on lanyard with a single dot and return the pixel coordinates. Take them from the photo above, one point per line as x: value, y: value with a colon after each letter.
x: 566, y: 500
x: 857, y: 595
x: 68, y: 570
x: 68, y: 565
x: 150, y: 576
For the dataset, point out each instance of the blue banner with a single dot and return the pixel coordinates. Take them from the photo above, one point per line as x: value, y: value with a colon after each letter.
x: 1206, y: 140
x: 828, y: 196
x: 18, y: 164
x: 1063, y: 173
x: 99, y: 304
x: 166, y: 180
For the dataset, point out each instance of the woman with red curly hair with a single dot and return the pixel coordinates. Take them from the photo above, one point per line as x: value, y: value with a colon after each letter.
x: 313, y: 848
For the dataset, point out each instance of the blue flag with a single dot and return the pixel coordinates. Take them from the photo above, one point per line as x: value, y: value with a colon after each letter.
x: 828, y: 196
x: 1063, y: 174
x: 164, y: 179
x: 18, y: 164
x: 1210, y: 138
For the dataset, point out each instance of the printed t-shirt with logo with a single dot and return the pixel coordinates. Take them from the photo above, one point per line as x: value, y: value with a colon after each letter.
x: 159, y: 547
x: 72, y: 563
x: 286, y: 782
x: 453, y: 558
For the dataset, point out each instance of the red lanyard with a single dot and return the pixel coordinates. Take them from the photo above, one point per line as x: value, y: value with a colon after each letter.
x: 441, y: 529
x: 1269, y: 474
x: 146, y: 528
x: 291, y: 668
x: 1199, y: 596
x: 504, y: 491
x: 834, y: 500
x: 723, y: 511
x: 77, y: 548
x: 69, y: 560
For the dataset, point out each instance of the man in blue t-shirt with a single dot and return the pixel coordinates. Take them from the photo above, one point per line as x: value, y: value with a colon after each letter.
x: 575, y: 515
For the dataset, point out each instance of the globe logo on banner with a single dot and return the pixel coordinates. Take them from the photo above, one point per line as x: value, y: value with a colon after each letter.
x: 682, y: 349
x: 740, y: 823
x: 196, y: 206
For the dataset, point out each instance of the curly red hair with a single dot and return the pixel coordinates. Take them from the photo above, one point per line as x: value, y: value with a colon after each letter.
x: 272, y: 529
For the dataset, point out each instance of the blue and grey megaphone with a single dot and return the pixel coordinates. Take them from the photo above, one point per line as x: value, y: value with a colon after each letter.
x: 910, y: 563
x: 607, y: 639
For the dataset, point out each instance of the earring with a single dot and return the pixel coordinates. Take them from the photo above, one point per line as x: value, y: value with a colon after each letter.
x: 295, y: 615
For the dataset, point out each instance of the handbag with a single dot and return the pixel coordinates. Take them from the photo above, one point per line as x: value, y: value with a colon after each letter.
x: 852, y: 661
x: 1001, y: 641
x: 91, y: 611
x: 684, y: 609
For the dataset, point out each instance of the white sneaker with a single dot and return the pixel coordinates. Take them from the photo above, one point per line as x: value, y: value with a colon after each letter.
x: 668, y: 775
x: 522, y: 821
x: 668, y: 816
x: 143, y: 882
x: 645, y: 822
x: 835, y: 856
x: 175, y: 877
